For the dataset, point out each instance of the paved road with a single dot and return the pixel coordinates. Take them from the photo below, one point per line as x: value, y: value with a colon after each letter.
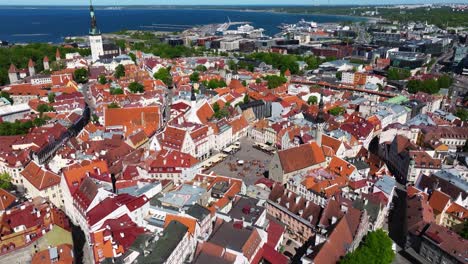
x: 397, y: 224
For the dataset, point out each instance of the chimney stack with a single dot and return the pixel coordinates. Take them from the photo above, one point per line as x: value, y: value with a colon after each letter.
x: 114, y: 180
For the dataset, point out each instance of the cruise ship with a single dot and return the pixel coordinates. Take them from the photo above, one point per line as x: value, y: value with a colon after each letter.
x: 302, y: 25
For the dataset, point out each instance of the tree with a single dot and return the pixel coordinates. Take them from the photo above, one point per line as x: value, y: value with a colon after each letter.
x: 339, y: 75
x: 246, y: 99
x: 312, y: 100
x: 220, y: 112
x: 133, y: 57
x: 398, y: 74
x: 115, y: 91
x: 164, y: 75
x: 462, y: 113
x: 5, y: 181
x: 336, y: 111
x: 81, y: 75
x: 113, y: 105
x: 232, y: 65
x: 195, y: 77
x: 376, y: 248
x: 464, y: 231
x: 216, y: 107
x: 19, y: 55
x: 444, y: 81
x: 102, y: 79
x: 121, y: 43
x: 51, y: 97
x: 6, y: 96
x: 215, y: 83
x: 275, y: 81
x: 44, y: 108
x: 136, y: 87
x: 201, y: 68
x: 258, y: 80
x: 119, y: 71
x: 95, y: 118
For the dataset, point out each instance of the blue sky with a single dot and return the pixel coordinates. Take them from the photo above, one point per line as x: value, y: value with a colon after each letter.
x: 217, y: 2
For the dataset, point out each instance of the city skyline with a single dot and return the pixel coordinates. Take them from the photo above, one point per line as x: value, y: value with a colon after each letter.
x: 222, y: 2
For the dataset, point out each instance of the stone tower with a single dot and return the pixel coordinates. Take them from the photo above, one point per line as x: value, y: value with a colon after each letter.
x: 13, y: 74
x: 57, y: 55
x: 95, y: 37
x: 320, y: 122
x: 31, y: 69
x: 45, y: 62
x: 193, y: 99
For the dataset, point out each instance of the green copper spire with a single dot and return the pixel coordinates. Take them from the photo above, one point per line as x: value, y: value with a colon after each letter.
x: 93, y: 30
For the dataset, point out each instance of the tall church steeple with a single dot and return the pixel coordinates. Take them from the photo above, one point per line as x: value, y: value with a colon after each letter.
x: 95, y: 38
x: 93, y: 30
x: 320, y: 122
x: 321, y: 114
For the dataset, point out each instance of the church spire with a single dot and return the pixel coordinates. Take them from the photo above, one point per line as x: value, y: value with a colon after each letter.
x: 93, y: 30
x: 321, y: 114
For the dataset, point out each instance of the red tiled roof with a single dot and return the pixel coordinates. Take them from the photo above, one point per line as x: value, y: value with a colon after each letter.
x: 6, y: 199
x: 204, y: 113
x: 301, y: 157
x: 40, y: 178
x: 439, y: 201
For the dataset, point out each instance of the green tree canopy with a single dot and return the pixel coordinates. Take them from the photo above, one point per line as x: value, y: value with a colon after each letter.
x: 116, y: 91
x: 312, y: 100
x: 44, y: 108
x: 444, y: 81
x: 195, y: 77
x: 5, y: 181
x: 246, y: 99
x: 339, y: 75
x: 136, y: 87
x: 462, y: 113
x: 51, y: 97
x: 102, y: 79
x: 220, y: 112
x: 119, y: 71
x: 113, y: 105
x: 6, y: 95
x: 201, y: 68
x: 81, y: 75
x: 164, y: 74
x: 15, y: 128
x: 215, y: 83
x: 133, y: 57
x: 275, y: 81
x: 398, y: 74
x: 336, y: 111
x: 376, y: 248
x: 19, y: 55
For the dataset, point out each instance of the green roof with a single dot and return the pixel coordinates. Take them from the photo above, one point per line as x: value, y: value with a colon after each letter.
x: 397, y: 100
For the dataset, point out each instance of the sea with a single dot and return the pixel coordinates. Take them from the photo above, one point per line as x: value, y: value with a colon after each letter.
x: 53, y: 24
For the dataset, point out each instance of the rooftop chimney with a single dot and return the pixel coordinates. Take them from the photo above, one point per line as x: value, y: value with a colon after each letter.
x: 114, y: 180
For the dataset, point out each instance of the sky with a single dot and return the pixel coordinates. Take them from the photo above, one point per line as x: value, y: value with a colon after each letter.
x: 218, y: 2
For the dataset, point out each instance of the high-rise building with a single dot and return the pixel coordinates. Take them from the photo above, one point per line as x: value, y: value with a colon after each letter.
x: 95, y: 37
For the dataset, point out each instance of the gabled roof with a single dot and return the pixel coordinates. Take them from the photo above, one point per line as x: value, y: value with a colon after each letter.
x: 40, y: 178
x: 438, y: 201
x: 301, y: 157
x: 96, y: 169
x: 6, y: 199
x: 204, y: 113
